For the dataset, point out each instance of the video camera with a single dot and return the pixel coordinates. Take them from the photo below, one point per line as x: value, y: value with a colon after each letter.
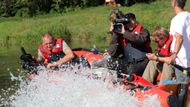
x: 117, y: 27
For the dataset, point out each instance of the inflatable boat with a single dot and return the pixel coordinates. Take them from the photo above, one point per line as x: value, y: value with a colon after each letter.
x: 169, y: 95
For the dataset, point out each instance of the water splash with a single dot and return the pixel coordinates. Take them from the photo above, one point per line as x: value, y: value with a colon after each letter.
x: 72, y: 88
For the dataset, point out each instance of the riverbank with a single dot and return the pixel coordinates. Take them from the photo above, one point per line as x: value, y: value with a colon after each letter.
x: 81, y: 27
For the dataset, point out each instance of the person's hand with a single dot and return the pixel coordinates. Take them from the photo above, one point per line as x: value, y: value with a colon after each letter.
x: 170, y: 59
x: 106, y: 54
x: 151, y: 56
x: 49, y: 65
x: 111, y: 27
x: 122, y: 29
x: 31, y: 76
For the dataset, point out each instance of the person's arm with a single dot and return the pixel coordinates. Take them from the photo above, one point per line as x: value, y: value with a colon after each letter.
x: 177, y: 47
x: 178, y: 43
x: 114, y: 38
x: 177, y: 29
x: 138, y: 39
x: 152, y: 56
x: 69, y: 55
x: 168, y: 60
x: 40, y: 58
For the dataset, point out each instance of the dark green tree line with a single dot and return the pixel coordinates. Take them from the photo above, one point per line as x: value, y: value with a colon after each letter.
x: 33, y: 7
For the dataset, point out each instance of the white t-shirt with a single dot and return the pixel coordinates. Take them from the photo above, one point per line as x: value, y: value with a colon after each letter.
x: 181, y: 24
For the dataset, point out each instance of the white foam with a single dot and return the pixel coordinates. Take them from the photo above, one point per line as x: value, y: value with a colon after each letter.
x: 73, y: 88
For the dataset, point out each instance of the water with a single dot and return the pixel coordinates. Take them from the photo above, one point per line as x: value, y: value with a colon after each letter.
x: 71, y: 88
x: 9, y: 62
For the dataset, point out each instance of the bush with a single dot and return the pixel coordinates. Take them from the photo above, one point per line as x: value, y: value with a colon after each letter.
x: 32, y: 7
x: 131, y: 2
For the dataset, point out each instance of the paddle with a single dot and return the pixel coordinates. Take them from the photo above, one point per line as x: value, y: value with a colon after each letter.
x: 185, y: 71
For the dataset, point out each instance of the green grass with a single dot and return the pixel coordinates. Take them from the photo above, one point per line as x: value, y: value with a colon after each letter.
x: 82, y: 27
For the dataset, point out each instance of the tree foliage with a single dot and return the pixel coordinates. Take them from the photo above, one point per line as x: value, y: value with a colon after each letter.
x: 25, y: 8
x: 32, y: 7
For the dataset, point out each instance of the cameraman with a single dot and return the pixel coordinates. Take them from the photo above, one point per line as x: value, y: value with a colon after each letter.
x: 134, y: 41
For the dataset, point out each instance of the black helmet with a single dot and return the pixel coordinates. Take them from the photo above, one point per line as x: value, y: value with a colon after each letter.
x: 130, y: 16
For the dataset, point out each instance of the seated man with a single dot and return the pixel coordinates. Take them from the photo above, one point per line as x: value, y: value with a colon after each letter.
x: 130, y: 43
x: 163, y: 39
x: 54, y: 52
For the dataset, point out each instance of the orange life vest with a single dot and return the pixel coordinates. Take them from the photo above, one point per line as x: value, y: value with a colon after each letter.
x: 57, y: 48
x: 165, y: 50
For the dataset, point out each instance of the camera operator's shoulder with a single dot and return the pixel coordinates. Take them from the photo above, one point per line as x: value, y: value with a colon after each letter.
x: 145, y: 31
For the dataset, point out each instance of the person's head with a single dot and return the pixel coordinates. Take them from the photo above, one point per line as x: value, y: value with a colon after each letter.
x: 115, y: 14
x: 48, y: 41
x: 160, y: 35
x: 178, y: 3
x: 132, y: 24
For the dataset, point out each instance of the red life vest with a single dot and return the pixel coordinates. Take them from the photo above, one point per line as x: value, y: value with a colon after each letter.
x: 137, y: 30
x: 57, y: 48
x: 123, y: 41
x: 165, y: 50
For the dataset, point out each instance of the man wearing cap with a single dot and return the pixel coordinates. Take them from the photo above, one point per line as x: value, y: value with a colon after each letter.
x: 135, y: 41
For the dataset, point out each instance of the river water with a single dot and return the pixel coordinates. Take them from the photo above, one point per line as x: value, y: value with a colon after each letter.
x: 66, y: 89
x: 9, y: 62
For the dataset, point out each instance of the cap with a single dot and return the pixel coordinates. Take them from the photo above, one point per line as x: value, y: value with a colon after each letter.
x: 130, y: 16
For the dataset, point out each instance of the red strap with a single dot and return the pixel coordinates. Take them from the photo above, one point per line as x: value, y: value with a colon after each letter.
x: 137, y: 30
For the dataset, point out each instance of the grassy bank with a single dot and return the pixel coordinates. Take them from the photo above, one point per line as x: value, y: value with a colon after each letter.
x: 84, y: 27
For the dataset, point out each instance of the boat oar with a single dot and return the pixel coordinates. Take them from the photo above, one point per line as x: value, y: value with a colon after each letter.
x: 185, y: 71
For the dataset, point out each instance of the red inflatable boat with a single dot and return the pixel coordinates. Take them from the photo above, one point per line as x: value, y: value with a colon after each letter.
x: 142, y: 89
x: 169, y: 95
x: 88, y: 54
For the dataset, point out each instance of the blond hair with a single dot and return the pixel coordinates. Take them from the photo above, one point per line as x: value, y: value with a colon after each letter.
x: 160, y: 32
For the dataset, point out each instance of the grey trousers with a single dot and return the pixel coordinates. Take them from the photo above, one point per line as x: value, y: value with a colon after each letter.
x: 152, y: 69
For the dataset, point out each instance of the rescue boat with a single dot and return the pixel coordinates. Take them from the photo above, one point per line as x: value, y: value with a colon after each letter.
x: 142, y: 89
x: 169, y: 95
x: 90, y: 56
